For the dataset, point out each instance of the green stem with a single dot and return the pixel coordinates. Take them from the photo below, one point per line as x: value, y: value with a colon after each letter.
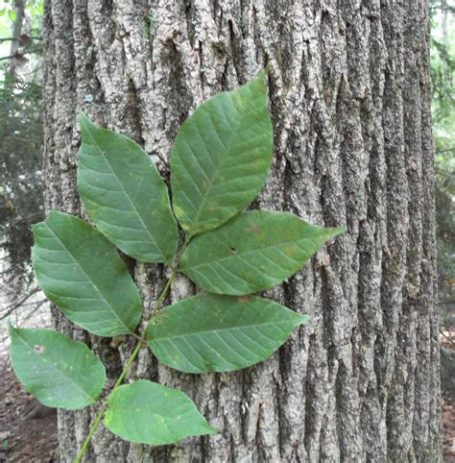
x: 162, y: 296
x: 93, y: 428
x: 130, y: 361
x: 128, y: 365
x: 102, y: 411
x: 167, y: 286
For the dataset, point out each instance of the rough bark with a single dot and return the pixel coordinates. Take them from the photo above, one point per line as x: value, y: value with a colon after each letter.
x: 349, y: 95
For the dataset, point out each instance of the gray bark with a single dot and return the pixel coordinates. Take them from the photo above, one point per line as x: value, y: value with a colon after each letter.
x: 349, y: 95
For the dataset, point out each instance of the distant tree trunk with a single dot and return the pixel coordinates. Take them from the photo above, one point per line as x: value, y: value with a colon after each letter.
x: 19, y: 10
x: 349, y: 90
x: 444, y: 52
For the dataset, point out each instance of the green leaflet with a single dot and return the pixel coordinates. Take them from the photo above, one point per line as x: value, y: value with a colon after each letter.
x: 221, y: 157
x: 83, y: 274
x: 220, y: 333
x: 148, y: 413
x: 254, y: 251
x: 125, y: 195
x: 58, y: 371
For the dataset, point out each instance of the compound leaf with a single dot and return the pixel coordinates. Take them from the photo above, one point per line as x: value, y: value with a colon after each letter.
x: 220, y: 333
x: 58, y: 371
x: 254, y: 251
x: 148, y: 413
x: 221, y: 157
x: 124, y: 195
x: 81, y: 272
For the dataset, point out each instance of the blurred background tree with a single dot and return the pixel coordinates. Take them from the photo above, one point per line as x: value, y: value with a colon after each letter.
x: 21, y: 144
x: 443, y: 109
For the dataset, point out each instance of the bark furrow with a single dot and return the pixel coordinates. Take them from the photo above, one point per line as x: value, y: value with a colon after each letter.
x: 349, y: 98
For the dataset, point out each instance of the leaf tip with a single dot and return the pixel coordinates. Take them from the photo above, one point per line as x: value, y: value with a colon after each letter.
x: 334, y: 232
x: 259, y: 82
x: 211, y: 429
x: 85, y: 124
x: 263, y: 73
x: 11, y: 328
x: 83, y: 119
x: 302, y: 319
x: 340, y: 230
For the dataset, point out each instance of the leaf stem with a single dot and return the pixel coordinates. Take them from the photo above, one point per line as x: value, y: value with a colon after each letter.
x: 131, y: 359
x: 167, y: 286
x: 102, y: 411
x: 92, y: 431
x: 165, y: 291
x: 127, y: 366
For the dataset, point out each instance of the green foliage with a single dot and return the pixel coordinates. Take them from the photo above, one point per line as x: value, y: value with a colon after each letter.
x: 442, y: 70
x: 58, y: 371
x: 443, y: 112
x: 152, y: 414
x: 220, y: 333
x: 221, y: 157
x: 35, y: 8
x: 12, y: 15
x: 80, y: 270
x: 125, y: 195
x: 254, y: 251
x: 219, y: 163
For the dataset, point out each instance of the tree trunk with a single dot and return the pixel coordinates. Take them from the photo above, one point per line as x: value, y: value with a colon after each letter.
x: 19, y: 10
x: 350, y: 102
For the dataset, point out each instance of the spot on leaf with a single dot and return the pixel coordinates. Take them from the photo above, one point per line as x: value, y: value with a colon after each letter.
x: 39, y: 349
x: 253, y: 228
